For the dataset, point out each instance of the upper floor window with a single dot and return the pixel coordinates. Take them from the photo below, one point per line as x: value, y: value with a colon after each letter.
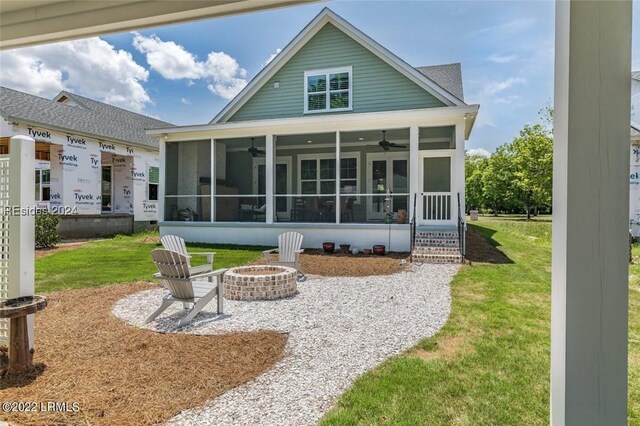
x: 327, y: 90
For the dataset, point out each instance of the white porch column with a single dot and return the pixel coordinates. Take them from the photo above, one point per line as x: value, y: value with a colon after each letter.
x: 22, y: 182
x: 213, y: 180
x: 161, y: 182
x: 338, y: 200
x: 459, y: 172
x: 268, y: 176
x: 414, y: 167
x: 590, y: 213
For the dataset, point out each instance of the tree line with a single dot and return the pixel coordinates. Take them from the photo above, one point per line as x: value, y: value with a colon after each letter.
x: 517, y: 177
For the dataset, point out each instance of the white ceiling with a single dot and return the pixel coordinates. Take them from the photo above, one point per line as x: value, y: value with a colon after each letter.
x: 24, y: 23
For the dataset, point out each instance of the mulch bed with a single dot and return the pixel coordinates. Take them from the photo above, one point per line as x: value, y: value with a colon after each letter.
x: 119, y: 374
x: 316, y: 262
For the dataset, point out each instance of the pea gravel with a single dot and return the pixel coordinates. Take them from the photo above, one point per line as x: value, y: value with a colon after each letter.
x: 339, y: 327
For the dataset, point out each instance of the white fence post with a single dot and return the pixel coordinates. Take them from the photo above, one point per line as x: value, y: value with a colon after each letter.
x: 4, y: 243
x: 22, y: 226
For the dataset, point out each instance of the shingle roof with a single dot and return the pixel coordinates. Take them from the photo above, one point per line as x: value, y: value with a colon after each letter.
x: 91, y: 118
x: 447, y: 76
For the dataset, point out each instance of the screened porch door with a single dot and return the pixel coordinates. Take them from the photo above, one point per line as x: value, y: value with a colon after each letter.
x: 387, y: 170
x: 281, y: 185
x: 436, y: 201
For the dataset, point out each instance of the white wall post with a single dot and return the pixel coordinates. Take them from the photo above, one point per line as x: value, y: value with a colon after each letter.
x: 269, y: 176
x: 22, y: 182
x: 338, y: 199
x: 161, y: 182
x: 414, y: 168
x: 590, y: 213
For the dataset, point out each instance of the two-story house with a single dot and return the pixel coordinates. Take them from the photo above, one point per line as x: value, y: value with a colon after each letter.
x: 337, y: 138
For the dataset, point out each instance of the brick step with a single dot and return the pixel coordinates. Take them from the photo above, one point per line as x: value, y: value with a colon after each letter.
x: 437, y: 235
x: 436, y: 250
x: 431, y: 242
x: 436, y: 258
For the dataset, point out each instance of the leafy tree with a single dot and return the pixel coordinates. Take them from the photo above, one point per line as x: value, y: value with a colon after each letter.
x: 474, y: 170
x: 497, y: 180
x: 532, y: 165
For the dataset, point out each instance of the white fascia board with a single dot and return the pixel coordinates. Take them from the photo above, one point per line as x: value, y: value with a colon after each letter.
x: 273, y: 67
x: 426, y: 117
x: 324, y: 17
x: 395, y: 61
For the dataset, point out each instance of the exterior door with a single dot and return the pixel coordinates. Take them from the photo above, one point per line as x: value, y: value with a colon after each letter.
x: 436, y: 201
x: 281, y: 185
x: 388, y: 170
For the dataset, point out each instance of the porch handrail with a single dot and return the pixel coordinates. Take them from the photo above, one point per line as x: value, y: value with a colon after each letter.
x: 461, y: 230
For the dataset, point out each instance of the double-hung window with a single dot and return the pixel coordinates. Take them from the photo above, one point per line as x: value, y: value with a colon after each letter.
x: 328, y: 90
x: 154, y: 181
x: 43, y: 184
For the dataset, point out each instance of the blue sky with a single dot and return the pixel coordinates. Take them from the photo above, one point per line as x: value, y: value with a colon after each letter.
x: 506, y: 51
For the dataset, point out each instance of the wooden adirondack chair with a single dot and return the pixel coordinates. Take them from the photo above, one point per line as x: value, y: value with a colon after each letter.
x: 183, y: 286
x: 288, y: 252
x: 175, y: 243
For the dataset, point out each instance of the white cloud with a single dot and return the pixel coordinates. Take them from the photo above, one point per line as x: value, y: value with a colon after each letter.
x: 506, y: 99
x: 185, y: 101
x: 501, y: 59
x: 272, y: 57
x: 506, y: 28
x: 167, y: 58
x: 479, y: 151
x: 494, y: 87
x: 90, y: 67
x: 173, y: 62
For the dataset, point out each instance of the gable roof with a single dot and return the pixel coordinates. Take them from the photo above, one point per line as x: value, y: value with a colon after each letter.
x: 89, y: 117
x: 324, y: 17
x: 447, y: 76
x: 635, y: 132
x: 635, y: 75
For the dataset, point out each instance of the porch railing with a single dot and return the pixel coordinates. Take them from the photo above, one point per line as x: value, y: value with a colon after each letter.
x: 461, y: 229
x: 436, y: 206
x: 414, y: 223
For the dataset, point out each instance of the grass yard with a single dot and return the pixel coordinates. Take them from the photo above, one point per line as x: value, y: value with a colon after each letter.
x: 119, y: 260
x: 489, y: 365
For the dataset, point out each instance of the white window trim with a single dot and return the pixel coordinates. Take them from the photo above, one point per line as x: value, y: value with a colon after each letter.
x: 327, y: 156
x: 326, y: 72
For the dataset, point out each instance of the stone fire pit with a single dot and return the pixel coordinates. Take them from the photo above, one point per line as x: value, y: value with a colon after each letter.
x: 260, y: 282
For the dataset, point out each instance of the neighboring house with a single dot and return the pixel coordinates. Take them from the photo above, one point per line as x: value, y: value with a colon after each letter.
x: 303, y: 146
x: 94, y: 162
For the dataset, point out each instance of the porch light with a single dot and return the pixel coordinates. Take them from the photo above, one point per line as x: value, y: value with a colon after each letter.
x: 309, y: 141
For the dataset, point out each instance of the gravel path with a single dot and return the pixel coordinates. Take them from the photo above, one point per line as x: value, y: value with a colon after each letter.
x: 338, y: 329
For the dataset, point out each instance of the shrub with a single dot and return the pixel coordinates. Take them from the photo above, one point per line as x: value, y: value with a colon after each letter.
x: 47, y: 230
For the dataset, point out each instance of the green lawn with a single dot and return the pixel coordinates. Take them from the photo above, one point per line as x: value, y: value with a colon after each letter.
x: 489, y: 365
x: 118, y: 260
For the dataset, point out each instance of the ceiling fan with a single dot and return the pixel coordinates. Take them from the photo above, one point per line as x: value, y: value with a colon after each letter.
x: 255, y: 151
x: 386, y: 145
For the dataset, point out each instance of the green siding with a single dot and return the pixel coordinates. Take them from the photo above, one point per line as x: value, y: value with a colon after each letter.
x: 376, y: 85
